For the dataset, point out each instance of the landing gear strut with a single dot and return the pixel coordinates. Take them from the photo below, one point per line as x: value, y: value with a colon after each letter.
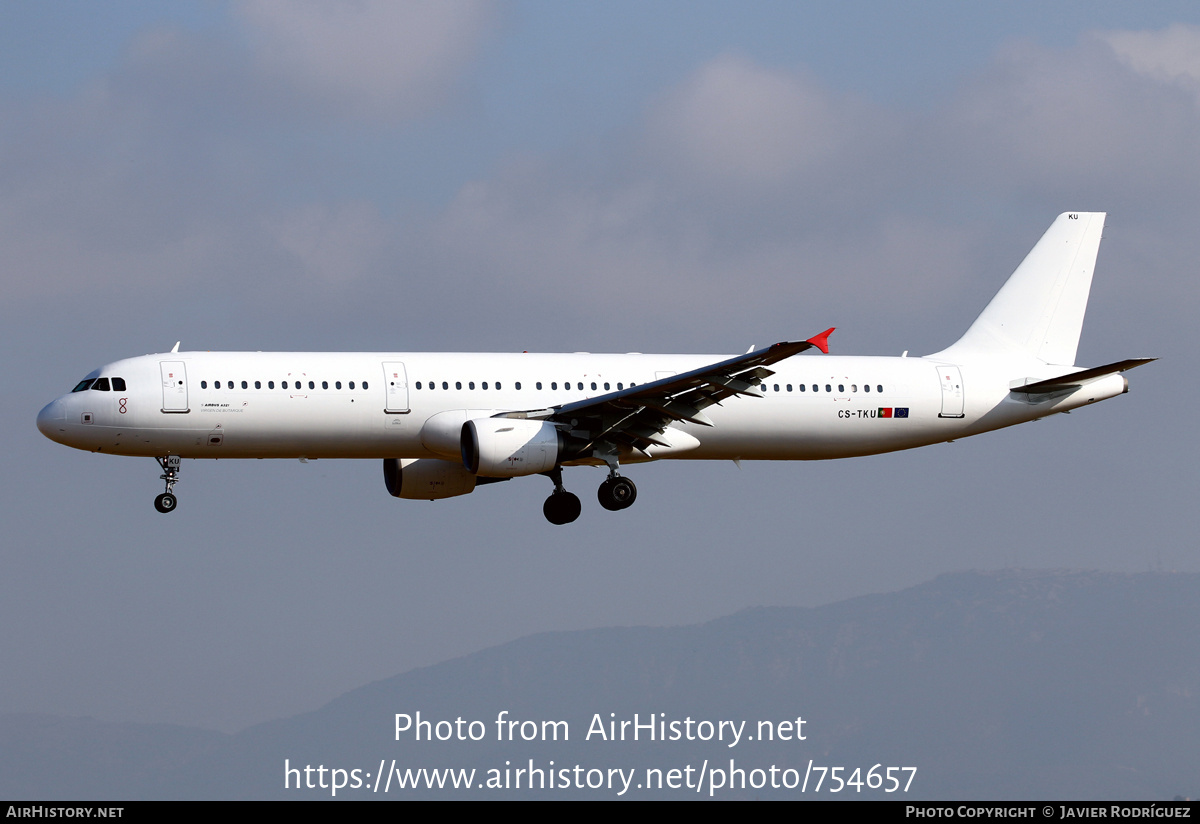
x: 561, y: 507
x: 170, y: 465
x: 617, y: 493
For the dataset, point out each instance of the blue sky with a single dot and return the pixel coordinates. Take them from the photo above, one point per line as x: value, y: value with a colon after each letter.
x: 690, y: 177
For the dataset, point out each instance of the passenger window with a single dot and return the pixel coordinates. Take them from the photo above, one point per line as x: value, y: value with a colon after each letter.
x: 789, y: 387
x: 245, y: 385
x: 620, y: 386
x: 258, y: 384
x: 776, y: 387
x: 841, y: 388
x: 230, y: 384
x: 312, y: 385
x: 485, y: 384
x: 518, y: 385
x: 351, y: 384
x: 337, y: 385
x: 593, y: 385
x: 828, y: 388
x: 270, y: 384
x: 854, y: 387
x: 581, y: 386
x: 364, y: 385
x: 497, y: 384
x: 802, y: 387
x: 418, y: 384
x: 324, y: 384
x: 866, y: 387
x: 445, y: 384
x: 879, y: 388
x: 470, y: 384
x: 539, y: 384
x: 553, y: 384
x: 606, y: 385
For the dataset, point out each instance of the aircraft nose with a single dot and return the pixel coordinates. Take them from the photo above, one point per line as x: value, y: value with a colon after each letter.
x: 51, y: 419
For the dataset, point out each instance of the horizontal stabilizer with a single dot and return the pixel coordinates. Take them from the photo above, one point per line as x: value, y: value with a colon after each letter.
x: 1074, y: 379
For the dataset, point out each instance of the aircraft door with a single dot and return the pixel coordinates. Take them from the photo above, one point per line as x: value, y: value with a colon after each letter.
x: 395, y: 383
x: 174, y: 386
x: 950, y: 379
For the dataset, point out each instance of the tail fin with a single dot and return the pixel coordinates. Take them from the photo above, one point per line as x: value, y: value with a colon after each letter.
x: 1039, y: 311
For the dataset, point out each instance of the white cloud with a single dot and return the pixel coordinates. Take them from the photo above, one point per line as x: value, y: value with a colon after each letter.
x: 375, y: 58
x: 1075, y: 123
x: 746, y: 193
x: 736, y: 122
x: 1171, y: 55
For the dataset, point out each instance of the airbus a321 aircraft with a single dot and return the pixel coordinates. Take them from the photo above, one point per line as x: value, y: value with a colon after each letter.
x: 445, y: 423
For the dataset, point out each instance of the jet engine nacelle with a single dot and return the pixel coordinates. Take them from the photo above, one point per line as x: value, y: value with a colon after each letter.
x: 426, y: 479
x: 509, y: 447
x: 442, y: 433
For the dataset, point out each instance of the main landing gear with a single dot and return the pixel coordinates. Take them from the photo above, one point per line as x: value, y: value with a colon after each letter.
x: 170, y: 465
x: 562, y: 507
x: 617, y: 493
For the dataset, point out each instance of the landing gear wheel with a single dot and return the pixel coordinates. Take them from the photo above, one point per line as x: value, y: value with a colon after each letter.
x: 617, y: 493
x: 562, y: 508
x: 170, y: 466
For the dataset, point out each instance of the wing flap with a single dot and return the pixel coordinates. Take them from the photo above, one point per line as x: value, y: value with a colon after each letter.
x: 637, y: 416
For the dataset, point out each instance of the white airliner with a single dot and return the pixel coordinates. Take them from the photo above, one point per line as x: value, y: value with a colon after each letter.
x: 444, y: 423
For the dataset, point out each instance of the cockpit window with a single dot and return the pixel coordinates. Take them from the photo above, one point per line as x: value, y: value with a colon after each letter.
x: 84, y: 385
x: 101, y: 385
x: 118, y: 384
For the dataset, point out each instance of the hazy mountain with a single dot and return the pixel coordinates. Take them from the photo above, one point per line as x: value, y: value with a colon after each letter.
x: 994, y: 685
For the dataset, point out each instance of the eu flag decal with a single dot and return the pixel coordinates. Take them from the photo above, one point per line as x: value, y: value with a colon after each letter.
x: 901, y: 412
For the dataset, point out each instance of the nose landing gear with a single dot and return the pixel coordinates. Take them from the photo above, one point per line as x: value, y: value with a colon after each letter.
x: 170, y: 465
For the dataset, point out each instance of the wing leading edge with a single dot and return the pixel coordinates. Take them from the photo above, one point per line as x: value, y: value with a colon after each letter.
x: 635, y: 418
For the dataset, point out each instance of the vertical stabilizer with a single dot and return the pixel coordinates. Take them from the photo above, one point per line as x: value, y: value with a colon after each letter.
x: 1039, y: 311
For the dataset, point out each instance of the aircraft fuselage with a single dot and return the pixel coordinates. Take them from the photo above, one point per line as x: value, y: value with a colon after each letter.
x: 376, y: 405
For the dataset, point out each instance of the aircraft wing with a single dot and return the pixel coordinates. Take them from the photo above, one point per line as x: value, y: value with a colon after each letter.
x: 636, y: 417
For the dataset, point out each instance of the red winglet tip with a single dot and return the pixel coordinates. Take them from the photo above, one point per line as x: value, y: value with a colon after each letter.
x: 821, y: 341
